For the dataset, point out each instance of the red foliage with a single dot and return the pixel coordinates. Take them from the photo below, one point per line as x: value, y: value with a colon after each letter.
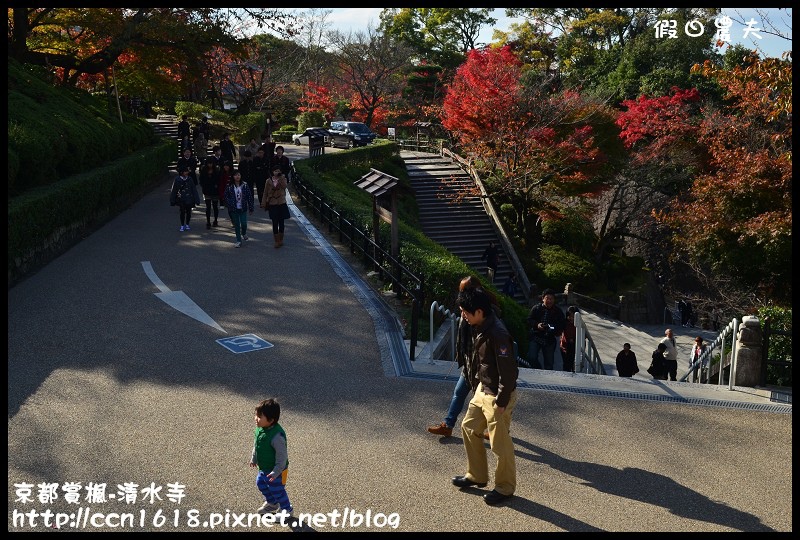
x: 317, y: 97
x: 483, y: 92
x: 652, y: 126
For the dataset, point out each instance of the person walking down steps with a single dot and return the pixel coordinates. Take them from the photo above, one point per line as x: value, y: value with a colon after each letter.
x: 492, y: 257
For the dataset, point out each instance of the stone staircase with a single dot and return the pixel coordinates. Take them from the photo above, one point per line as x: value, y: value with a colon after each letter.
x: 168, y: 128
x: 461, y: 226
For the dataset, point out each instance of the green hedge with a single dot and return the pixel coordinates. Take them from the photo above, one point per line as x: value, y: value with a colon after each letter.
x: 76, y: 205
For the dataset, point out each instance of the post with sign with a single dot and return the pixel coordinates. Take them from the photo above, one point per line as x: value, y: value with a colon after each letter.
x: 316, y: 141
x: 379, y: 185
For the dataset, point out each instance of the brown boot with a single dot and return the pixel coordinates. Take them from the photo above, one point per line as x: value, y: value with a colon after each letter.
x: 280, y: 239
x: 277, y: 242
x: 441, y: 429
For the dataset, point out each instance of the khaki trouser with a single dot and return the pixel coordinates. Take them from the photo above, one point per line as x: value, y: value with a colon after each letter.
x: 481, y: 413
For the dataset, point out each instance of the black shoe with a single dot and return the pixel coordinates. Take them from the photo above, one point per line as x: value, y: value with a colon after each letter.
x: 463, y: 481
x: 495, y: 497
x: 215, y: 223
x: 208, y: 225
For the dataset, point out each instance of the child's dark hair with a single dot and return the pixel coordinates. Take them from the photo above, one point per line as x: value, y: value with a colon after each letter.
x: 471, y: 300
x: 661, y: 347
x: 269, y: 409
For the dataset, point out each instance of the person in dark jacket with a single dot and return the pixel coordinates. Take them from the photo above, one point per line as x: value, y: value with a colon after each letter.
x: 245, y: 167
x: 261, y: 171
x: 282, y: 161
x: 184, y: 195
x: 183, y: 133
x: 205, y: 128
x: 492, y: 257
x: 658, y: 365
x: 546, y: 322
x: 228, y: 148
x: 626, y: 362
x: 495, y: 386
x: 209, y: 182
x: 188, y: 160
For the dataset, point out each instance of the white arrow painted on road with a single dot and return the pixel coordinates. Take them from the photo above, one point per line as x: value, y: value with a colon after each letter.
x: 178, y: 299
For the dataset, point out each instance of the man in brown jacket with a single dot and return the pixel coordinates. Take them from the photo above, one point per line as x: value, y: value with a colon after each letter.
x: 495, y: 370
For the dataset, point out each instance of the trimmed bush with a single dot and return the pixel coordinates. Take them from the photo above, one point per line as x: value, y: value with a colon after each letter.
x: 561, y: 267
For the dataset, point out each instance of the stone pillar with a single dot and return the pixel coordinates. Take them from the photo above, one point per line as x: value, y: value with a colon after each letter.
x: 748, y: 352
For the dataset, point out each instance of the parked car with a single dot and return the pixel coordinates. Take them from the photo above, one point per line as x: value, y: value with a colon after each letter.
x: 350, y: 134
x: 302, y: 138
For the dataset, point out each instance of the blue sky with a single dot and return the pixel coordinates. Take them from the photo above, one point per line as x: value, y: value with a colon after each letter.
x: 357, y: 19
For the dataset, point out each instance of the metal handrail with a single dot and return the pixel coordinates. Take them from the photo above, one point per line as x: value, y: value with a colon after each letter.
x: 704, y: 362
x: 592, y: 304
x: 586, y: 359
x: 403, y: 280
x: 415, y: 145
x: 453, y: 317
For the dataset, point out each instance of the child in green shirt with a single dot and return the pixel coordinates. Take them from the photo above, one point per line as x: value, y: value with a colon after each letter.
x: 270, y: 455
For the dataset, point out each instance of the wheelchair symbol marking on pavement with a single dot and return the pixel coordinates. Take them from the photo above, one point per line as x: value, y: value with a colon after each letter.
x: 244, y: 343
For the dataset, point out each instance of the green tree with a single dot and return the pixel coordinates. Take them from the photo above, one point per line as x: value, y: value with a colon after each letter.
x: 614, y: 52
x: 442, y: 36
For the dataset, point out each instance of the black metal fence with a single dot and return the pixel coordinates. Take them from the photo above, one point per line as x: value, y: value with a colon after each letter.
x: 404, y: 283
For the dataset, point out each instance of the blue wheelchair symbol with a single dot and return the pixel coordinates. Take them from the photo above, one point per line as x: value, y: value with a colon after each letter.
x: 245, y: 343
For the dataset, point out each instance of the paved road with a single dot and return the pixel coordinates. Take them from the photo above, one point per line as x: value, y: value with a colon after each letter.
x: 109, y: 384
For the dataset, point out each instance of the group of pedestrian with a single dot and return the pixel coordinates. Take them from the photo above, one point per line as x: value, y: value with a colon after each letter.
x: 487, y: 359
x: 664, y: 359
x: 227, y: 185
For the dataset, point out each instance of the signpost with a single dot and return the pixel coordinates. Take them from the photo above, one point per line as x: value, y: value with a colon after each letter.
x: 380, y: 185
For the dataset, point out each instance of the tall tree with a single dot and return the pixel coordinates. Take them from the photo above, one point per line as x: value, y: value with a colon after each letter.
x: 372, y: 66
x: 662, y: 158
x: 441, y: 36
x: 262, y: 75
x: 79, y: 41
x: 615, y: 53
x: 735, y: 221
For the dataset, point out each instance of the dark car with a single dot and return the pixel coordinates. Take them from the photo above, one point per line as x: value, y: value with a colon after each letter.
x: 350, y: 134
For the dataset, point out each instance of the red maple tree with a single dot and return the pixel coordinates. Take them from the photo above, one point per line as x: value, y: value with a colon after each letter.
x: 534, y: 143
x: 735, y: 220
